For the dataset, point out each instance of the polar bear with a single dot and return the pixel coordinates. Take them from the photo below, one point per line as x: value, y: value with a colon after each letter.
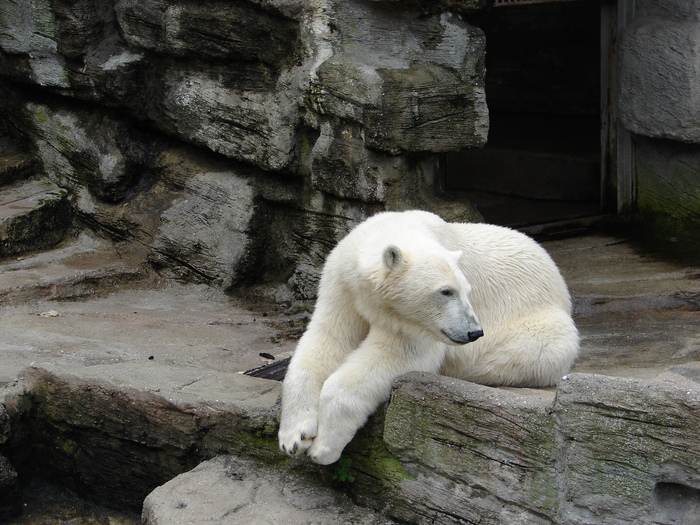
x: 407, y: 291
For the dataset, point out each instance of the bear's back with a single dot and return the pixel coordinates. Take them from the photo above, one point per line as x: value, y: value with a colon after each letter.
x: 508, y: 270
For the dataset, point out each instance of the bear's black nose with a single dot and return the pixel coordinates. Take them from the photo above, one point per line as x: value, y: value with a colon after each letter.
x: 473, y: 336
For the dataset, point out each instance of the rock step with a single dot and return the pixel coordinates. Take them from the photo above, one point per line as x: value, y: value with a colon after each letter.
x: 85, y: 267
x: 14, y: 166
x: 34, y: 215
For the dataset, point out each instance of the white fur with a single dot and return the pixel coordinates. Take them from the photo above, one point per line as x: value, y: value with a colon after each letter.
x: 403, y: 292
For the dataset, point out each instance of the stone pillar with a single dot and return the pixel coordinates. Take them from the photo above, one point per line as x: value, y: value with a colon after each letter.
x: 660, y: 103
x: 660, y: 74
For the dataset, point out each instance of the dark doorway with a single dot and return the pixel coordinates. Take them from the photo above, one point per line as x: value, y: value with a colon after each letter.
x: 542, y: 161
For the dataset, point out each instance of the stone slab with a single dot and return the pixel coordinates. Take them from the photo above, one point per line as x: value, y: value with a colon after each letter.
x: 426, y: 108
x: 185, y: 385
x: 91, y: 302
x: 629, y: 450
x: 244, y: 32
x: 637, y: 311
x: 496, y: 447
x: 146, y: 327
x: 207, y: 225
x: 231, y: 491
x: 14, y: 166
x: 85, y: 268
x: 608, y: 273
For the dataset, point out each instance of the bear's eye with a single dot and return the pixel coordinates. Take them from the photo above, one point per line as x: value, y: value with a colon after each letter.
x: 447, y: 292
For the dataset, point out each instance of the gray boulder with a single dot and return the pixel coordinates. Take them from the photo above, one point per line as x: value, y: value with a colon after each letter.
x: 230, y: 491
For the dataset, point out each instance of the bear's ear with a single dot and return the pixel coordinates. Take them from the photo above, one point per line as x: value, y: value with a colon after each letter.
x: 393, y: 257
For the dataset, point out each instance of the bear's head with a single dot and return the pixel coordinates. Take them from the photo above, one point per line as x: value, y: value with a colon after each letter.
x: 428, y: 289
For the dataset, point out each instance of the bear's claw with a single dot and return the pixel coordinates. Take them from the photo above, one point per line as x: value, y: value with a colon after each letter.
x: 292, y: 451
x: 297, y: 440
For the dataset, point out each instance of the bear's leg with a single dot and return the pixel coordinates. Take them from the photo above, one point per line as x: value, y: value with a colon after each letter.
x: 335, y: 330
x: 533, y: 351
x: 351, y: 394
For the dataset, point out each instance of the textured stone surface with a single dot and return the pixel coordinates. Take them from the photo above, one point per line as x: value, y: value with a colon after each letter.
x: 601, y: 450
x: 680, y: 10
x: 668, y: 187
x: 426, y: 109
x: 4, y: 425
x: 218, y: 30
x: 208, y: 226
x: 14, y: 166
x: 194, y: 212
x: 659, y: 71
x: 658, y: 55
x: 268, y: 143
x: 83, y: 149
x: 229, y: 491
x: 424, y: 95
x: 9, y: 489
x: 260, y: 86
x: 103, y: 413
x: 240, y: 117
x: 628, y: 450
x: 34, y: 215
x: 490, y: 453
x: 111, y: 426
x: 30, y: 30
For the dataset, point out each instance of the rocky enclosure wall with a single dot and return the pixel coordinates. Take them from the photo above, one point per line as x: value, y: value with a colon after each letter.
x: 237, y: 142
x: 240, y: 140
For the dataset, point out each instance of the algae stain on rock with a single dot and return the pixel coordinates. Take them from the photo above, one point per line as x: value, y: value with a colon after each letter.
x: 70, y: 447
x: 372, y: 459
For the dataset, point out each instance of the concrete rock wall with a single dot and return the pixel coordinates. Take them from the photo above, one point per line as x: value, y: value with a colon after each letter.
x: 313, y: 115
x: 660, y: 102
x: 668, y: 187
x: 660, y: 67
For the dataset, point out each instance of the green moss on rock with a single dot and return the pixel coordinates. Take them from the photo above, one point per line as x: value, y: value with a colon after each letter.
x: 668, y: 188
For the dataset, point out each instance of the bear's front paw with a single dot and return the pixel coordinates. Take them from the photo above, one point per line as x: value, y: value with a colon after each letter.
x: 298, y: 440
x: 324, y: 454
